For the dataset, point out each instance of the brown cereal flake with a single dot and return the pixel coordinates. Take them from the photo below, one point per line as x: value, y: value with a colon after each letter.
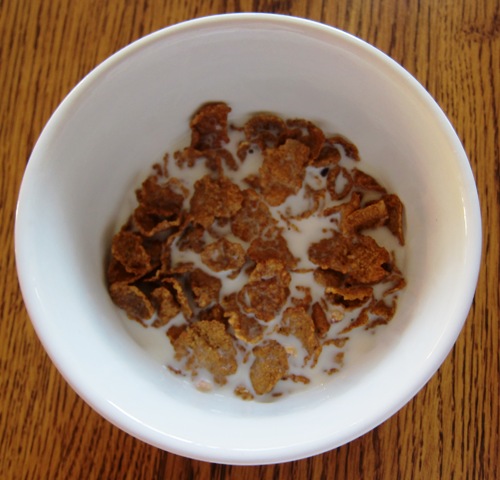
x: 206, y: 344
x: 128, y: 249
x: 349, y: 297
x: 395, y: 222
x: 223, y: 255
x: 345, y: 208
x: 371, y: 216
x: 297, y: 378
x: 297, y: 322
x: 269, y: 367
x: 266, y: 291
x: 174, y: 332
x: 359, y: 257
x: 265, y: 131
x: 328, y: 278
x: 282, y: 171
x: 339, y: 182
x: 205, y: 288
x: 349, y: 148
x: 149, y: 223
x: 362, y: 319
x: 269, y: 246
x: 306, y: 300
x: 366, y: 182
x: 165, y: 304
x: 215, y: 312
x: 243, y: 393
x: 339, y: 342
x: 383, y: 313
x: 246, y: 328
x: 191, y: 238
x: 321, y: 323
x: 252, y: 218
x: 213, y: 198
x: 116, y: 273
x: 162, y: 199
x: 328, y: 156
x: 209, y: 126
x: 307, y: 133
x: 180, y: 295
x: 132, y: 300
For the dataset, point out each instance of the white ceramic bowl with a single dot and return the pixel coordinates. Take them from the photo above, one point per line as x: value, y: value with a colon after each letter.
x: 136, y: 106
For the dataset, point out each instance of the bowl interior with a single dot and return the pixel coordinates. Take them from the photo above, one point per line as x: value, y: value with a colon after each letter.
x: 136, y: 106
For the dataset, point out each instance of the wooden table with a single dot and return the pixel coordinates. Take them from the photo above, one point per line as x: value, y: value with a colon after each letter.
x: 451, y: 429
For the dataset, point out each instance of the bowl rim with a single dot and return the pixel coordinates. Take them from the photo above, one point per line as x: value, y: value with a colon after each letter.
x: 305, y: 26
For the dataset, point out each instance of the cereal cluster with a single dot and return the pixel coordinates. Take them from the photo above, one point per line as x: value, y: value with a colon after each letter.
x: 210, y: 261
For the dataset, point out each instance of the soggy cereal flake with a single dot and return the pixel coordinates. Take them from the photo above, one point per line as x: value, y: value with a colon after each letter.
x: 307, y: 133
x: 214, y: 198
x: 265, y: 131
x: 368, y: 262
x: 366, y: 182
x: 312, y: 202
x: 339, y: 342
x: 163, y: 199
x: 215, y: 312
x: 116, y: 273
x: 207, y: 345
x: 166, y: 306
x: 130, y: 298
x: 180, y: 295
x: 349, y: 297
x: 271, y: 245
x: 209, y: 126
x: 192, y: 238
x: 321, y: 323
x: 283, y: 171
x: 297, y: 378
x: 243, y: 149
x: 205, y: 288
x: 297, y: 322
x: 223, y: 255
x: 252, y: 218
x: 266, y: 291
x: 397, y: 283
x: 339, y: 182
x: 395, y: 222
x: 269, y: 367
x: 360, y: 258
x: 174, y: 331
x: 332, y: 253
x: 383, y: 313
x: 149, y: 223
x: 328, y: 278
x: 243, y: 392
x: 305, y: 300
x: 349, y: 148
x: 346, y: 208
x: 128, y: 249
x: 246, y: 328
x: 362, y: 319
x: 371, y: 216
x: 328, y: 156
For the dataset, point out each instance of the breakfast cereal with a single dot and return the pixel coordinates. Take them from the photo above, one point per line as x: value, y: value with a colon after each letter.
x: 251, y: 250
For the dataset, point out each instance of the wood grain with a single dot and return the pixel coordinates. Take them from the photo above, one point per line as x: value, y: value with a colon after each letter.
x: 451, y: 429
